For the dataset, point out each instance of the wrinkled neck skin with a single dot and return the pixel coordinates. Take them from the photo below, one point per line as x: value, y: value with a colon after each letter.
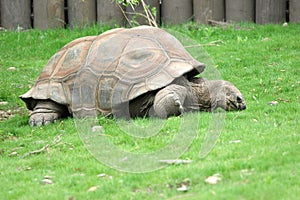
x: 206, y: 95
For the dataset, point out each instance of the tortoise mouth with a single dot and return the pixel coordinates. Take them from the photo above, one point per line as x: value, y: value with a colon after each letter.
x: 242, y: 106
x: 233, y: 105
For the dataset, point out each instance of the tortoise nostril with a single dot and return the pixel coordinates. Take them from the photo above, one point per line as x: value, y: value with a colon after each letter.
x: 239, y: 99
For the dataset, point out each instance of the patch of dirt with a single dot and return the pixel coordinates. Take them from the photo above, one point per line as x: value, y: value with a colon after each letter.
x: 6, y: 114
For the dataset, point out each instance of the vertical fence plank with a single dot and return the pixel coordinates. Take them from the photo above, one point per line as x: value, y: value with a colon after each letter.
x: 294, y: 10
x: 209, y: 10
x: 270, y: 11
x: 81, y: 12
x: 108, y: 12
x: 176, y: 11
x: 240, y: 10
x: 16, y: 13
x: 48, y: 14
x: 132, y: 13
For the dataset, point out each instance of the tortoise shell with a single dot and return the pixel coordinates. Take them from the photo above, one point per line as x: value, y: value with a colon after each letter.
x: 97, y: 72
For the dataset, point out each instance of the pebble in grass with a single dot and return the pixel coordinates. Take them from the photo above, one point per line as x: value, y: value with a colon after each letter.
x: 47, y: 180
x: 5, y: 114
x: 11, y: 69
x: 103, y: 175
x: 184, y: 186
x: 92, y: 189
x: 214, y: 179
x: 97, y: 129
x: 273, y: 103
x: 3, y: 103
x: 9, y: 113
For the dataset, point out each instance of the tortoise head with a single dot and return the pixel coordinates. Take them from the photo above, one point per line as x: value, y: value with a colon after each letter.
x: 218, y: 94
x: 234, y: 100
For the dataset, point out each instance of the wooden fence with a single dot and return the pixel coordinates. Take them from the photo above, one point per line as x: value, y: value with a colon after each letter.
x: 45, y: 14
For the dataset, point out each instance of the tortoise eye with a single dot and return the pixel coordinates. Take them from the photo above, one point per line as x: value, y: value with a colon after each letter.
x: 239, y: 99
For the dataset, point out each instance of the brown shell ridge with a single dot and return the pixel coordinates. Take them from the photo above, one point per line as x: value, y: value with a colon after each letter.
x: 89, y: 51
x: 118, y: 76
x: 63, y: 81
x: 148, y: 48
x: 45, y: 82
x: 157, y: 70
x: 131, y: 93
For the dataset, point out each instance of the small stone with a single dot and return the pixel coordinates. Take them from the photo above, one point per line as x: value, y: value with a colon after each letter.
x: 3, y: 103
x: 101, y: 175
x: 11, y: 69
x: 13, y: 153
x: 183, y: 188
x: 234, y: 141
x: 273, y: 103
x: 47, y: 177
x: 47, y: 181
x: 92, y: 189
x: 214, y: 179
x: 97, y: 128
x: 28, y: 168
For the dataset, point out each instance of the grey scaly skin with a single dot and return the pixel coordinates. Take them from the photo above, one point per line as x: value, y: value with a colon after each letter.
x: 46, y: 112
x: 197, y: 95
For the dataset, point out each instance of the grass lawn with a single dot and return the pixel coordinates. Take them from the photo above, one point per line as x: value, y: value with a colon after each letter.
x: 256, y: 156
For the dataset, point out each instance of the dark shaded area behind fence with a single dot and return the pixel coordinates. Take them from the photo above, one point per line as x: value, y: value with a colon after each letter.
x: 45, y: 14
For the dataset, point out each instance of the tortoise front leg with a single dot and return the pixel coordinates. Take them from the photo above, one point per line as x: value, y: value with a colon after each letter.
x: 169, y: 101
x: 46, y: 112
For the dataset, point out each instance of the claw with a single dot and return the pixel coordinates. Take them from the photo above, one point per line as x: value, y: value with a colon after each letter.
x: 47, y: 122
x: 39, y: 123
x: 31, y: 123
x: 39, y: 119
x: 180, y: 107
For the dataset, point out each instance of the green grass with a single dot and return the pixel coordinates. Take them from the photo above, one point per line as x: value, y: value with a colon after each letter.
x: 264, y: 163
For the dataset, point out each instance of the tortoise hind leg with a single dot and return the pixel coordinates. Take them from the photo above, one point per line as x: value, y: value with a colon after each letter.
x: 46, y: 112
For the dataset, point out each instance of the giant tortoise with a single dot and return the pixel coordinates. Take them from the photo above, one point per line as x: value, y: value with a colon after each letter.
x: 142, y: 71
